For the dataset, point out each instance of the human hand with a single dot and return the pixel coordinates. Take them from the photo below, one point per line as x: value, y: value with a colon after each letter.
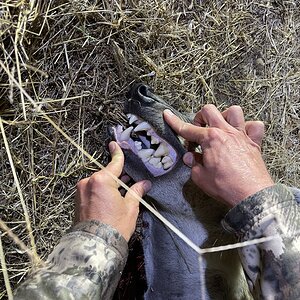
x: 98, y: 197
x: 231, y: 167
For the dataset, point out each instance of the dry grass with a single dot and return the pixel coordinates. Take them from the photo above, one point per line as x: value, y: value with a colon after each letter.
x: 76, y: 58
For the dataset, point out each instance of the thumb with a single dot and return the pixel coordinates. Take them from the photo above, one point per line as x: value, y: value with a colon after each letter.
x: 117, y: 159
x: 140, y: 188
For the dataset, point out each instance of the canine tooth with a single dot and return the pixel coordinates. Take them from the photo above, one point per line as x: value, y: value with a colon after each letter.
x: 138, y: 145
x: 154, y: 161
x: 125, y: 135
x: 167, y: 159
x: 145, y: 154
x: 142, y: 126
x: 162, y: 150
x: 132, y: 119
x: 154, y: 140
x: 168, y: 164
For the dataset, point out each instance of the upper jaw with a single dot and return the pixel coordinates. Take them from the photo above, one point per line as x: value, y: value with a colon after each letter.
x: 146, y: 128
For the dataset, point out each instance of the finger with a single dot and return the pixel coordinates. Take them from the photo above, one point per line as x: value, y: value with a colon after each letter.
x: 191, y: 158
x: 211, y: 116
x: 235, y: 117
x: 188, y: 131
x: 255, y: 130
x: 125, y: 178
x: 117, y: 159
x: 140, y: 188
x: 198, y: 174
x: 81, y: 189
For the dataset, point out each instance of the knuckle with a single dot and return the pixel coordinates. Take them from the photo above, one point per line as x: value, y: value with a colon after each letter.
x: 260, y: 124
x: 236, y: 108
x: 182, y: 128
x: 81, y: 184
x: 215, y: 134
x: 207, y: 106
x: 97, y: 179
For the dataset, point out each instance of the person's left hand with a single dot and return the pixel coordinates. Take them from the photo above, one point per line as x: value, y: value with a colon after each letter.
x: 98, y: 197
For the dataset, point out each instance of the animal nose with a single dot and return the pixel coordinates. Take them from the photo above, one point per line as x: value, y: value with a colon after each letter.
x: 140, y: 92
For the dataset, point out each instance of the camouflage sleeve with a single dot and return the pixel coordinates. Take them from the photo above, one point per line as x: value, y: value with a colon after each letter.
x: 86, y: 264
x: 272, y: 268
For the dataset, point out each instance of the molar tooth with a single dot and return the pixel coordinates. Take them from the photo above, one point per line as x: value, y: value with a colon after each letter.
x: 162, y: 150
x: 154, y: 161
x: 132, y: 119
x: 125, y: 135
x: 142, y: 126
x: 154, y: 140
x: 168, y: 164
x: 145, y: 154
x: 138, y: 145
x: 167, y: 159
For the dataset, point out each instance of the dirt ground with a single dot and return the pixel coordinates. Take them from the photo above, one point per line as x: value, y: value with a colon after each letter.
x: 73, y: 61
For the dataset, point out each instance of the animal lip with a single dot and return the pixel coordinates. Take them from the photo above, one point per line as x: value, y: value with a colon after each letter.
x: 158, y: 156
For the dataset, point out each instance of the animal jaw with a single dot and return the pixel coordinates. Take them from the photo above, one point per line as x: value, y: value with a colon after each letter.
x: 157, y: 154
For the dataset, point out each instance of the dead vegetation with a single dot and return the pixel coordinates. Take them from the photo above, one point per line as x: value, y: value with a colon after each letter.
x: 75, y: 60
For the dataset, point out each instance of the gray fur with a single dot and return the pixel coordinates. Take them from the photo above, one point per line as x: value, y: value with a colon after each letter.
x: 172, y: 268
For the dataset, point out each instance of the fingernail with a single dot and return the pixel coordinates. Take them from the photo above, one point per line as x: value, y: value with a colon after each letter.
x: 147, y: 185
x: 188, y: 159
x: 168, y: 112
x: 112, y: 147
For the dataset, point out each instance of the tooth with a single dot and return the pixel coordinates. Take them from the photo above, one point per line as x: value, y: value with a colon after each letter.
x: 142, y: 126
x: 168, y: 164
x: 145, y: 154
x: 167, y: 159
x: 138, y: 145
x: 154, y: 140
x: 132, y: 119
x: 162, y: 150
x: 125, y: 135
x: 159, y: 165
x: 154, y: 161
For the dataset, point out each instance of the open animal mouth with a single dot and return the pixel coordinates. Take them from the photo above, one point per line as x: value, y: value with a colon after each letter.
x: 158, y: 156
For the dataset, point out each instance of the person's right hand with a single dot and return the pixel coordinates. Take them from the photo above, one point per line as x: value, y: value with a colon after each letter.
x: 231, y: 167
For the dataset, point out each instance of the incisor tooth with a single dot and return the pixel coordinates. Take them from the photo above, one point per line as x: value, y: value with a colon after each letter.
x: 167, y: 165
x: 145, y: 154
x: 154, y: 140
x: 162, y: 150
x: 154, y: 161
x: 138, y: 145
x: 167, y: 159
x: 142, y: 126
x: 132, y: 119
x: 125, y: 135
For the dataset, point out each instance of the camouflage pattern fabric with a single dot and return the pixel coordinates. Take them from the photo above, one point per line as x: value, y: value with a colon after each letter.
x: 88, y: 261
x: 272, y: 268
x: 86, y: 264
